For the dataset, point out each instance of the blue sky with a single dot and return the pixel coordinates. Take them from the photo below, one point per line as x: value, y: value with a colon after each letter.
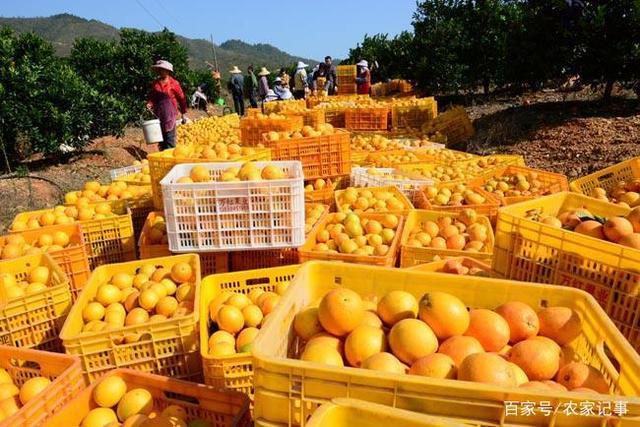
x: 306, y: 28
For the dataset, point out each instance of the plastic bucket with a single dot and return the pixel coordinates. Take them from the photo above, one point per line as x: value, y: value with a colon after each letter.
x: 152, y: 131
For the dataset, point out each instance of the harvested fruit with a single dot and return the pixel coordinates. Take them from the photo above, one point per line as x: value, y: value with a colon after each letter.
x: 622, y: 193
x: 312, y: 214
x: 320, y: 184
x: 371, y: 199
x: 95, y: 192
x: 247, y: 172
x: 14, y: 245
x: 12, y: 397
x: 143, y: 176
x: 522, y: 182
x: 306, y: 132
x: 211, y: 131
x: 65, y: 215
x: 353, y: 234
x: 459, y: 233
x: 150, y: 293
x: 373, y: 143
x: 463, y: 266
x: 235, y: 319
x: 37, y: 280
x: 457, y: 195
x: 390, y: 159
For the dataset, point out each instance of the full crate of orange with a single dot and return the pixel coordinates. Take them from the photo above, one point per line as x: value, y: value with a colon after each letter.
x: 374, y: 117
x: 454, y: 124
x: 310, y: 117
x: 252, y: 260
x: 321, y: 190
x: 234, y: 370
x: 284, y: 106
x: 154, y: 330
x: 34, y: 302
x: 172, y: 402
x: 252, y: 128
x: 161, y: 163
x: 64, y: 243
x: 372, y: 199
x: 234, y: 206
x: 153, y: 243
x: 413, y: 113
x: 456, y: 198
x: 603, y: 182
x: 56, y: 378
x: 346, y: 79
x: 513, y: 184
x: 531, y: 245
x: 389, y: 177
x: 324, y: 152
x: 136, y: 174
x: 289, y: 390
x: 430, y: 234
x: 366, y: 238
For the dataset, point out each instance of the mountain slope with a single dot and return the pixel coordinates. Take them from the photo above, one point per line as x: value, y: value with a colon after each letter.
x: 62, y: 30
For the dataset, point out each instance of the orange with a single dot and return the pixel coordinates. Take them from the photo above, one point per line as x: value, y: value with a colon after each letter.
x: 199, y: 174
x: 489, y: 328
x: 534, y: 385
x: 186, y: 292
x: 268, y: 303
x: 11, y: 251
x: 181, y: 273
x: 131, y: 301
x: 522, y: 320
x: 108, y: 294
x: 39, y: 274
x: 148, y: 299
x: 103, y: 208
x: 577, y: 374
x: 591, y: 228
x: 109, y: 391
x: 322, y: 354
x: 436, y: 365
x: 32, y: 387
x: 340, y: 311
x: 166, y: 306
x: 456, y: 242
x: 217, y: 302
x: 630, y: 240
x: 230, y: 319
x: 136, y: 316
x: 540, y: 360
x: 252, y: 315
x: 554, y: 385
x: 307, y: 324
x: 385, y: 362
x: 363, y: 342
x: 521, y: 376
x: 615, y: 228
x: 239, y: 301
x: 371, y: 318
x: 246, y: 338
x: 327, y: 340
x: 146, y: 270
x: 61, y: 238
x: 221, y: 336
x: 487, y: 368
x: 45, y: 240
x: 561, y: 324
x: 47, y: 218
x: 93, y: 311
x: 458, y: 347
x: 254, y: 294
x: 160, y: 274
x: 122, y: 280
x: 411, y: 339
x: 8, y: 407
x: 397, y: 305
x: 446, y: 314
x: 15, y: 239
x: 8, y: 390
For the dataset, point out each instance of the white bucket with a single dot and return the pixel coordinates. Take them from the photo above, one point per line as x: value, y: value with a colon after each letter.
x: 152, y: 131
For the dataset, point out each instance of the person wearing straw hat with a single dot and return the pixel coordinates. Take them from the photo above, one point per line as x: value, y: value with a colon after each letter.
x: 236, y: 87
x: 281, y: 90
x: 363, y: 77
x: 300, y: 83
x: 165, y: 99
x: 263, y: 84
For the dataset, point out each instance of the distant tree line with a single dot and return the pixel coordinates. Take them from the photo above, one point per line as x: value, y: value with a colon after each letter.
x: 459, y: 45
x: 47, y: 101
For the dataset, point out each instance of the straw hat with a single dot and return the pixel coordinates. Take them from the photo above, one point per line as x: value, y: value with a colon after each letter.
x: 277, y: 80
x: 264, y: 72
x: 301, y: 65
x: 235, y: 70
x: 363, y: 63
x: 163, y: 65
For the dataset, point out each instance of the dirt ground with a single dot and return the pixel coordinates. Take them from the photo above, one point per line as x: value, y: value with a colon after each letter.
x: 573, y: 134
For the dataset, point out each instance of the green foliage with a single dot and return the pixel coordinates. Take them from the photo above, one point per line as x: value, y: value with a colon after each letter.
x: 44, y: 102
x: 392, y: 55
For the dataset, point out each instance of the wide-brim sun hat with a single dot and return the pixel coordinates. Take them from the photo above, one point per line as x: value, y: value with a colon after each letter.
x: 235, y: 70
x: 301, y: 65
x: 363, y: 63
x: 161, y: 64
x: 277, y: 80
x: 264, y: 72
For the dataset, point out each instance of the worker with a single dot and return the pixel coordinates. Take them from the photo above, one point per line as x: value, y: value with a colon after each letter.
x: 328, y: 71
x: 280, y: 90
x: 251, y: 87
x: 300, y: 84
x: 270, y: 96
x: 263, y: 84
x: 236, y: 87
x: 284, y: 77
x: 363, y: 77
x: 165, y: 99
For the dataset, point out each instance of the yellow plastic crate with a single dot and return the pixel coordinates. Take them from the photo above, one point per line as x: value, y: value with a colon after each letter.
x: 66, y: 381
x: 108, y: 240
x: 391, y: 189
x: 162, y: 162
x: 410, y: 256
x: 234, y: 372
x: 344, y: 412
x: 305, y: 252
x: 608, y: 178
x: 414, y: 116
x: 215, y: 408
x: 325, y: 195
x: 437, y: 266
x: 35, y: 321
x: 73, y: 259
x: 489, y: 208
x: 145, y: 247
x: 532, y: 251
x: 168, y: 347
x: 288, y: 391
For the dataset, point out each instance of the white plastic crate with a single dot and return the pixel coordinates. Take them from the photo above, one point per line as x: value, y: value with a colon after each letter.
x: 228, y: 216
x: 360, y: 177
x: 125, y: 171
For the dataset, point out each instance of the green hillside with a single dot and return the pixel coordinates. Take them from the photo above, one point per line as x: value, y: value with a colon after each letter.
x: 62, y: 30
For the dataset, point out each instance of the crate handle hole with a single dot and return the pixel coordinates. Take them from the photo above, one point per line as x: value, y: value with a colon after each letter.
x: 606, y: 176
x: 181, y: 397
x: 544, y: 303
x: 609, y: 359
x: 25, y: 364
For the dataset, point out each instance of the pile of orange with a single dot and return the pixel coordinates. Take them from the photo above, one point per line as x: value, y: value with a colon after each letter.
x: 306, y: 131
x: 437, y: 336
x: 462, y: 233
x: 356, y: 199
x: 16, y: 246
x: 93, y: 192
x: 236, y: 318
x: 150, y: 294
x: 61, y: 215
x: 247, y: 172
x: 38, y: 280
x: 12, y: 397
